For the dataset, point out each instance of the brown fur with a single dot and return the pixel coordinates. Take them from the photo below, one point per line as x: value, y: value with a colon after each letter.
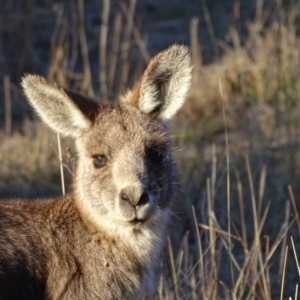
x: 105, y: 239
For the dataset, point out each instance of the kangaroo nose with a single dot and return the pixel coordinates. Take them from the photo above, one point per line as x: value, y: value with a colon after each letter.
x: 134, y: 196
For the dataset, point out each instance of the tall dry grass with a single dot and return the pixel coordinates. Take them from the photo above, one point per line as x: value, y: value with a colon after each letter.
x: 244, y: 238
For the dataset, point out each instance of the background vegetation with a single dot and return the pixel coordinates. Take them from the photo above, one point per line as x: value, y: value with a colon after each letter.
x: 236, y: 140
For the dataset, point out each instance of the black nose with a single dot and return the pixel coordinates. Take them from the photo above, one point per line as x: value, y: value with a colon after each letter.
x: 134, y: 196
x: 144, y: 199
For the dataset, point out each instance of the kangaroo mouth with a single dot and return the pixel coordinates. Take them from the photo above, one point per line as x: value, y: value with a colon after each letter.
x: 137, y: 221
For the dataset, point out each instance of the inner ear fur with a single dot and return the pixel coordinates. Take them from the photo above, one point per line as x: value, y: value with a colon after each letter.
x: 88, y: 106
x: 164, y: 85
x: 65, y: 112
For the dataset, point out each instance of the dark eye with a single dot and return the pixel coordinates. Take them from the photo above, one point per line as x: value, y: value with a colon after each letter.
x: 99, y: 161
x: 155, y: 154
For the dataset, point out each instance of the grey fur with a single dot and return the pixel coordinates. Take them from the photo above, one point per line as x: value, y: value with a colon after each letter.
x: 105, y: 239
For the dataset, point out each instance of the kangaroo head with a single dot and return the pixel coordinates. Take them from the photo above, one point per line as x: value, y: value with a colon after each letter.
x: 125, y: 175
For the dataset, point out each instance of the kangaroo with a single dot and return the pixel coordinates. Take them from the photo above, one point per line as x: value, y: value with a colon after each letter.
x: 104, y: 239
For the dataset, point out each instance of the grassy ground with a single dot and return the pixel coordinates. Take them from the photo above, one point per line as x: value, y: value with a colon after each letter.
x: 236, y: 140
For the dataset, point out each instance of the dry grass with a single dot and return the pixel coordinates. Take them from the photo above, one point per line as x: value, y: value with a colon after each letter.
x: 247, y: 261
x: 239, y: 234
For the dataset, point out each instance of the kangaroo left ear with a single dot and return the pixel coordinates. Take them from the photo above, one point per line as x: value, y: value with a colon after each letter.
x: 164, y: 85
x: 63, y: 111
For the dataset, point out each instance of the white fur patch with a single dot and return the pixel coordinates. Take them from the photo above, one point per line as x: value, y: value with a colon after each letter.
x: 149, y: 99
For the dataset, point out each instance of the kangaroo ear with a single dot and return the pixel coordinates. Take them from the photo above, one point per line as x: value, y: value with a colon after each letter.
x: 165, y: 83
x: 63, y: 111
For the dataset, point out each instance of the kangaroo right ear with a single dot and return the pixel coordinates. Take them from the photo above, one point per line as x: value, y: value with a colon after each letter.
x: 164, y: 85
x: 65, y: 112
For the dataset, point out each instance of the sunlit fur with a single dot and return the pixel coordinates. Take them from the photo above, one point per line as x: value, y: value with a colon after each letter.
x: 91, y: 243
